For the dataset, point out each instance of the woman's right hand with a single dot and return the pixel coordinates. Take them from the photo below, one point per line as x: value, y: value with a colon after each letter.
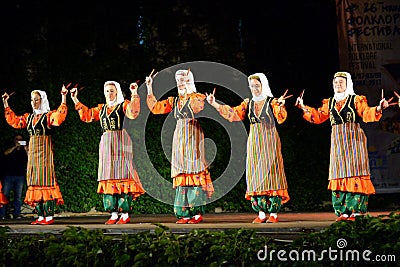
x: 149, y: 82
x: 299, y: 101
x: 149, y: 85
x: 74, y: 95
x: 5, y: 98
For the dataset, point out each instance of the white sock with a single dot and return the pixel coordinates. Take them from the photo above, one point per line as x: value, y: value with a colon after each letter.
x: 125, y: 216
x: 49, y: 218
x: 114, y: 215
x: 355, y: 214
x: 197, y: 216
x: 41, y: 218
x: 261, y: 215
x: 275, y: 215
x: 345, y: 215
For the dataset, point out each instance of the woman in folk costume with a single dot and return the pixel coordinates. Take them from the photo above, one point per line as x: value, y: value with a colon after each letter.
x: 118, y: 180
x: 43, y: 191
x: 349, y: 174
x: 267, y: 188
x: 189, y: 170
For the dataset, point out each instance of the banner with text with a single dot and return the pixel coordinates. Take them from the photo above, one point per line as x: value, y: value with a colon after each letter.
x: 369, y: 49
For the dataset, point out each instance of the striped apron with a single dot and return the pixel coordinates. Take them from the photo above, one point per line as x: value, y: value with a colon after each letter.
x: 264, y: 163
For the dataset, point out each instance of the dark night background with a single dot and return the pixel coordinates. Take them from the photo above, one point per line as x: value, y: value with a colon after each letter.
x: 47, y: 43
x: 293, y: 42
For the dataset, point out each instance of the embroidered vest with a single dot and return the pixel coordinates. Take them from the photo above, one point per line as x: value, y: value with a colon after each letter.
x: 348, y: 113
x: 40, y: 127
x: 266, y: 114
x: 185, y: 112
x: 113, y: 121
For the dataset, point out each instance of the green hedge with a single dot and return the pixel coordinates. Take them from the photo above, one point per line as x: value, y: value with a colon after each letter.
x: 237, y: 247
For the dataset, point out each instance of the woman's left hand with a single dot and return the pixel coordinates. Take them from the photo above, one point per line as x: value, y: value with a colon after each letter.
x: 282, y: 98
x: 134, y: 87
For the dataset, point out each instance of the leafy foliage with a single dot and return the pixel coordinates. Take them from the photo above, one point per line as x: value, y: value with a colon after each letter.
x: 77, y: 246
x: 380, y: 235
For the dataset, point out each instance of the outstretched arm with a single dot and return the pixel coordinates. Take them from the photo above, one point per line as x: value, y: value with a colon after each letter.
x: 229, y: 113
x: 316, y: 116
x: 18, y: 122
x: 367, y: 113
x: 313, y: 115
x: 85, y: 114
x: 160, y: 107
x: 157, y: 107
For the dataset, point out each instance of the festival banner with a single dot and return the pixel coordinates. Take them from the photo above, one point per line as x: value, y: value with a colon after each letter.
x: 369, y: 49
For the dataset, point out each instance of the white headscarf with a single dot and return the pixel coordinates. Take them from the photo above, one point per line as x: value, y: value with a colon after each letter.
x: 266, y: 90
x: 44, y: 102
x: 190, y: 87
x: 120, y: 97
x: 349, y: 86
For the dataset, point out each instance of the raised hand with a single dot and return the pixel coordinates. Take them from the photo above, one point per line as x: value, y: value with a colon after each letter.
x: 299, y: 101
x: 149, y: 82
x: 282, y: 98
x: 134, y: 87
x: 74, y: 92
x: 211, y: 100
x: 211, y: 97
x: 383, y: 104
x: 64, y: 90
x: 6, y: 96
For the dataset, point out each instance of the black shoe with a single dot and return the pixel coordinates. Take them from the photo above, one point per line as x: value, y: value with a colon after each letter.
x: 2, y: 218
x: 17, y: 217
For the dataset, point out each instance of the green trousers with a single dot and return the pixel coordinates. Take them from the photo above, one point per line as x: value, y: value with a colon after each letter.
x: 266, y: 204
x: 117, y: 203
x: 189, y: 201
x: 46, y: 209
x: 348, y: 203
